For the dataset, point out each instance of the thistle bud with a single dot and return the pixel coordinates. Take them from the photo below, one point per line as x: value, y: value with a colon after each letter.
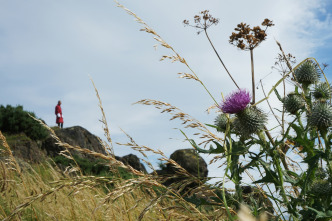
x: 293, y: 103
x: 322, y: 91
x: 321, y: 188
x: 249, y: 121
x: 320, y: 173
x: 307, y: 73
x: 321, y: 116
x: 221, y: 122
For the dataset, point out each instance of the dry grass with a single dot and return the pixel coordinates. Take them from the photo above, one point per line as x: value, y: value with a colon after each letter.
x: 44, y: 192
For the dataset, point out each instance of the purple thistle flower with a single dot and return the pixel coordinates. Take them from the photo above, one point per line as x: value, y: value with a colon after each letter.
x: 236, y: 102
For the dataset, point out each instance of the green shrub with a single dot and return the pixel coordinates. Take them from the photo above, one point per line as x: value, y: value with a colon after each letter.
x: 97, y: 167
x: 16, y: 120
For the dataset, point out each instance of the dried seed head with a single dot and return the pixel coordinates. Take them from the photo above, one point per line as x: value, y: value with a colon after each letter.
x: 247, y: 38
x: 202, y: 21
x: 321, y: 116
x: 267, y: 22
x: 293, y: 103
x: 322, y: 92
x: 307, y: 73
x: 249, y: 121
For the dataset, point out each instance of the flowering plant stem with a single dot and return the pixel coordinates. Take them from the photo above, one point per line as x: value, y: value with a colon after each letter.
x: 229, y: 161
x: 252, y: 75
x: 327, y: 151
x: 229, y: 74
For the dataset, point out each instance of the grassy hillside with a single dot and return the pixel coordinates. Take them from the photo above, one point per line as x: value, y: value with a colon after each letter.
x: 46, y: 192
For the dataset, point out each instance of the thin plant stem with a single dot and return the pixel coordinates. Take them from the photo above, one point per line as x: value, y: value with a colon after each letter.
x: 327, y: 151
x: 267, y: 100
x: 223, y: 183
x: 268, y: 187
x: 229, y: 74
x: 282, y: 189
x: 252, y: 75
x: 283, y: 106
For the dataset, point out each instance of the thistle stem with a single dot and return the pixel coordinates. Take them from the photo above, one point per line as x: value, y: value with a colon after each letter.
x: 327, y: 151
x: 298, y: 116
x: 281, y: 179
x: 223, y: 183
x: 276, y: 202
x: 220, y: 58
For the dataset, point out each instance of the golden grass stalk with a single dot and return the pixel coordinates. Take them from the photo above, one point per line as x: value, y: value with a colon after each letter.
x: 186, y: 119
x: 159, y: 39
x: 108, y: 149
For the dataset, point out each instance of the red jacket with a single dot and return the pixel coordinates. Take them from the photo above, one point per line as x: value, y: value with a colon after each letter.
x: 58, y: 111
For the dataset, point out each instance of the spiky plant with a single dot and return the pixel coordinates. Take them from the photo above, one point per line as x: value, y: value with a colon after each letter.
x: 236, y: 102
x: 322, y: 92
x: 321, y: 116
x: 321, y: 173
x: 293, y: 103
x: 221, y: 122
x: 321, y: 188
x: 249, y: 121
x: 307, y: 74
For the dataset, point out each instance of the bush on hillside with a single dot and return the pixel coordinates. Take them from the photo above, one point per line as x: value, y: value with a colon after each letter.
x: 97, y: 167
x: 16, y: 120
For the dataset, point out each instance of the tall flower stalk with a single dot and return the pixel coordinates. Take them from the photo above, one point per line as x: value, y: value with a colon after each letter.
x: 202, y: 23
x: 247, y: 38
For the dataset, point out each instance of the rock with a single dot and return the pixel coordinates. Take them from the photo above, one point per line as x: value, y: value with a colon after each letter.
x: 133, y: 161
x: 75, y: 136
x: 37, y: 151
x: 191, y: 162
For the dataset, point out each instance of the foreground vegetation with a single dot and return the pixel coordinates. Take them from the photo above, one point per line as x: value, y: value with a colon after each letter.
x: 45, y: 192
x: 298, y: 188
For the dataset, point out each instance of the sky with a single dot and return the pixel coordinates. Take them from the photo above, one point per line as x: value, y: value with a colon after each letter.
x: 49, y: 50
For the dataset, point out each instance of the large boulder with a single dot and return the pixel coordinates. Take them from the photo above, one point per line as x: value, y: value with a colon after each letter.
x: 75, y: 136
x: 133, y: 161
x: 191, y: 162
x: 78, y: 136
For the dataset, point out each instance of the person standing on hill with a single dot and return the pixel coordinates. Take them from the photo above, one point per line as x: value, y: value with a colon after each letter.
x: 58, y: 113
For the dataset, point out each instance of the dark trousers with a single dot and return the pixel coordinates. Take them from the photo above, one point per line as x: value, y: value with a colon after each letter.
x: 60, y: 125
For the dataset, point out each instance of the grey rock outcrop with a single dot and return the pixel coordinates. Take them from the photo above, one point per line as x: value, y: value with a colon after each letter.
x: 133, y: 161
x: 191, y: 162
x: 37, y: 151
x: 75, y: 136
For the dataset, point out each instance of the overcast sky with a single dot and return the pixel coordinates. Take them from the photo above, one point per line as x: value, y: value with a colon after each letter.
x: 48, y: 50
